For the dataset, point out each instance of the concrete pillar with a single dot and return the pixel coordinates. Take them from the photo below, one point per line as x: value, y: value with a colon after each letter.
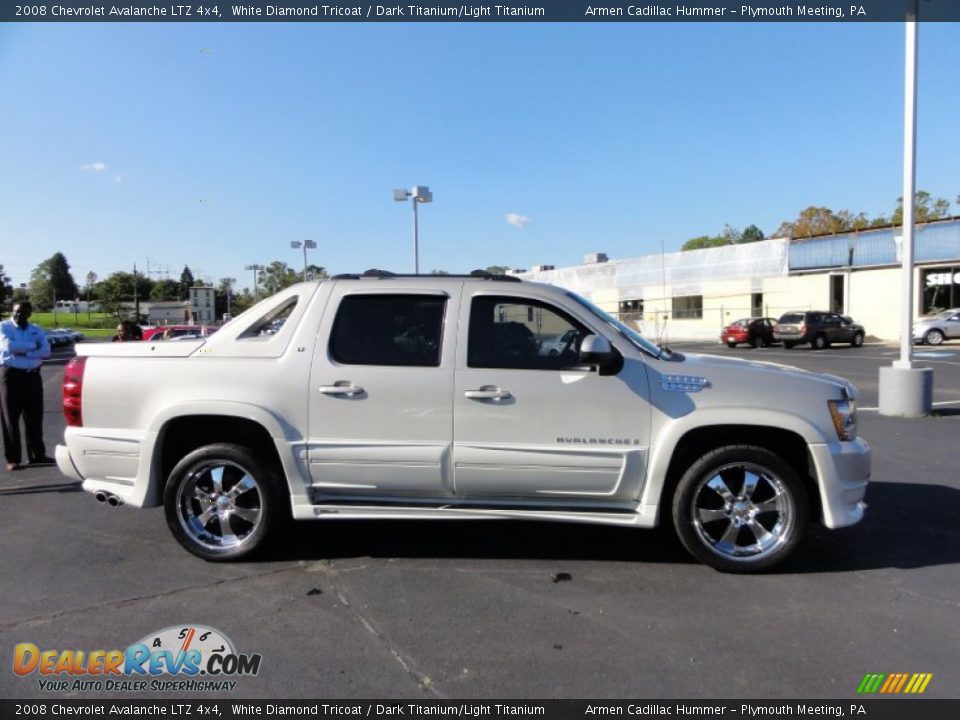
x: 906, y: 392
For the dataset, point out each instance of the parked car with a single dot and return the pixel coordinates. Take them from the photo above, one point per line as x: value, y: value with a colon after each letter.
x: 757, y: 332
x: 331, y: 418
x: 59, y: 340
x: 819, y: 328
x: 167, y: 332
x: 935, y: 329
x: 75, y: 334
x: 558, y: 343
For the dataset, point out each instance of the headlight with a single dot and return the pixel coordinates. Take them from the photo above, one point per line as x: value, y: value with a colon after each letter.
x: 844, y: 414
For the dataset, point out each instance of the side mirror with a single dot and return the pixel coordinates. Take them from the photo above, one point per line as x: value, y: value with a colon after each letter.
x: 597, y: 350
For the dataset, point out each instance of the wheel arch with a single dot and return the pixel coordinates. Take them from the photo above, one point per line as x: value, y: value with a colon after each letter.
x: 789, y: 438
x: 180, y: 430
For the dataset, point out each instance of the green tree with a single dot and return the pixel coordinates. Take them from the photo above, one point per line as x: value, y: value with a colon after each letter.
x: 926, y: 208
x: 186, y: 282
x: 241, y: 301
x: 751, y: 234
x: 704, y: 241
x: 497, y: 269
x: 52, y: 279
x: 6, y: 290
x: 316, y: 272
x: 814, y: 221
x: 165, y: 290
x: 115, y: 292
x: 276, y: 276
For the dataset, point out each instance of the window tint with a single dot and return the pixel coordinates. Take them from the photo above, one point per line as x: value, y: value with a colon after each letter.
x: 388, y: 330
x: 522, y: 334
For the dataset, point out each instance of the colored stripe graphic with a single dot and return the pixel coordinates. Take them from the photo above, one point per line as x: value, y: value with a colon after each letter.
x: 894, y: 683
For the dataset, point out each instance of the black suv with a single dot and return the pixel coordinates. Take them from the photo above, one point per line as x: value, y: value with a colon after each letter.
x: 818, y: 328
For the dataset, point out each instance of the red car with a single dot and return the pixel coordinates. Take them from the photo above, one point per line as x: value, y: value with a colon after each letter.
x: 757, y: 332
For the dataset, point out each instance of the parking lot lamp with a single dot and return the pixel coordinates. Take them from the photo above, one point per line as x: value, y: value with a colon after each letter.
x: 419, y: 194
x: 228, y: 282
x: 256, y: 269
x: 306, y: 245
x: 905, y: 390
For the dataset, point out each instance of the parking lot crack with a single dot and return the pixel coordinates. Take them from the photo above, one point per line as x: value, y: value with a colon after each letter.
x: 423, y: 681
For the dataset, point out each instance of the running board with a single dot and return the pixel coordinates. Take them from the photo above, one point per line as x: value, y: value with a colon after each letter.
x: 633, y: 515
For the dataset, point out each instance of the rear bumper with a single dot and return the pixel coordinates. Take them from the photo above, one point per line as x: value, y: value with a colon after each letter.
x: 115, y: 461
x: 843, y: 471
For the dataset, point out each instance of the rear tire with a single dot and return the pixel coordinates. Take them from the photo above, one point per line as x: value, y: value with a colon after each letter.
x: 221, y: 503
x: 819, y: 342
x: 740, y: 509
x: 757, y: 342
x: 731, y: 344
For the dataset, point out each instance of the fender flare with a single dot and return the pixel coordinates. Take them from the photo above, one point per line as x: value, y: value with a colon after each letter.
x: 277, y: 428
x: 665, y: 444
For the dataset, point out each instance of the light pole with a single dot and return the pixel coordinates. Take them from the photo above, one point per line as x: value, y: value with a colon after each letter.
x: 256, y: 269
x: 91, y: 279
x: 306, y: 245
x: 419, y: 194
x: 903, y: 389
x: 228, y: 284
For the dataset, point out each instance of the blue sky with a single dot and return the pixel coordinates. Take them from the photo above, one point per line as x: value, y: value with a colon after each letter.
x: 215, y: 145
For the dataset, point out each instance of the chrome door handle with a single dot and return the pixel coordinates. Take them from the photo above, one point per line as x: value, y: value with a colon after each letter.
x: 488, y: 394
x: 350, y: 389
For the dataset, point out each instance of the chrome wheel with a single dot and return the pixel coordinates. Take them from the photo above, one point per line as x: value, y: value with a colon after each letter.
x: 743, y: 512
x: 219, y: 505
x: 934, y: 337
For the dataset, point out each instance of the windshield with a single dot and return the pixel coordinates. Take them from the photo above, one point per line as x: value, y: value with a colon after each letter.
x: 624, y: 331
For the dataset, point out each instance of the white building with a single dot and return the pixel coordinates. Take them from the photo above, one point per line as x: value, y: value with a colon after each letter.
x: 198, y: 309
x: 202, y: 304
x: 694, y: 294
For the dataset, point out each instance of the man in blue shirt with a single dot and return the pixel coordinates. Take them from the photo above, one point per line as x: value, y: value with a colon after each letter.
x: 23, y: 348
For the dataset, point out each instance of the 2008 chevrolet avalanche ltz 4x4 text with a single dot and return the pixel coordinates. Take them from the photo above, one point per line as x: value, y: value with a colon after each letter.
x: 388, y: 396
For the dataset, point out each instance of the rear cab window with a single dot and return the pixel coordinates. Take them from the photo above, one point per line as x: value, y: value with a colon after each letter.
x: 388, y: 329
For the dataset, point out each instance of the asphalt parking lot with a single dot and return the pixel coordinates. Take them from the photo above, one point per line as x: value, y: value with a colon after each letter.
x: 498, y: 610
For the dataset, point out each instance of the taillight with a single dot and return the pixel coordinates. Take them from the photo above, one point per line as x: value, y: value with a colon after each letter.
x: 73, y: 391
x: 803, y: 329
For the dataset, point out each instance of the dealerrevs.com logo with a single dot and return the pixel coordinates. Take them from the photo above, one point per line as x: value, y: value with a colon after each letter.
x: 188, y: 658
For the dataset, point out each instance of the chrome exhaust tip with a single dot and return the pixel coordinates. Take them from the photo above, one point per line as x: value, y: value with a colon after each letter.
x: 100, y: 495
x: 114, y: 501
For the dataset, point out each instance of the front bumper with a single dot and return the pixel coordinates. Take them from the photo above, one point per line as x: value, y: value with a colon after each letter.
x: 843, y: 471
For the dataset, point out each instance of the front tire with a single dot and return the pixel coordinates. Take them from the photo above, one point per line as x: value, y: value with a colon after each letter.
x: 740, y: 509
x: 933, y: 337
x: 857, y: 340
x: 221, y: 502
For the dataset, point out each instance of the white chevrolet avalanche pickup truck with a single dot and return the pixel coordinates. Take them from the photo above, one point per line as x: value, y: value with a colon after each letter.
x: 381, y: 396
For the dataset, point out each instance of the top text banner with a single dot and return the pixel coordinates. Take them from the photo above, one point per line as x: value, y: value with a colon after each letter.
x: 445, y: 11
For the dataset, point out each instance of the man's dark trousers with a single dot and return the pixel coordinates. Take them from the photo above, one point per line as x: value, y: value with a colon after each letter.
x: 21, y: 393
